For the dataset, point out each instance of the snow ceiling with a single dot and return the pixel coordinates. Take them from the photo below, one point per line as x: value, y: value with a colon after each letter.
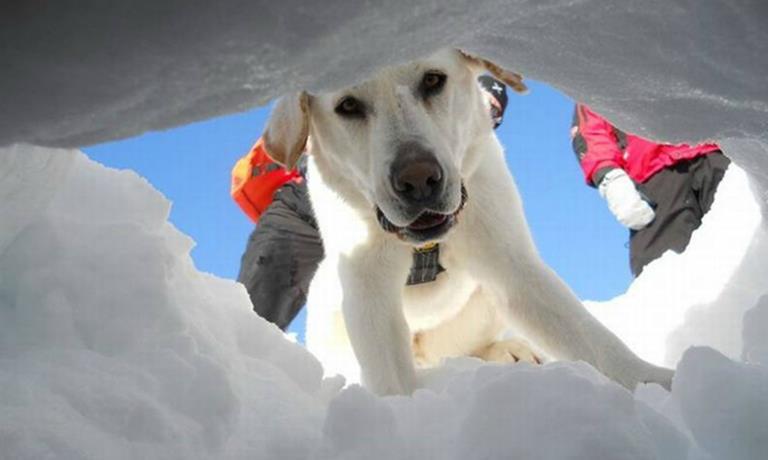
x: 107, y: 70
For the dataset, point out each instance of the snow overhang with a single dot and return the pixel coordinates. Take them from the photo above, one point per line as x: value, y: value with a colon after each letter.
x: 672, y: 70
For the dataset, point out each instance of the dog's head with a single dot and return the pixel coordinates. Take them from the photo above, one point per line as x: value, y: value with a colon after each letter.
x: 401, y: 138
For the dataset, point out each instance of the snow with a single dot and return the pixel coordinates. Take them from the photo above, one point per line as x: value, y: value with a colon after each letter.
x: 112, y: 344
x: 698, y: 297
x: 725, y: 404
x: 669, y: 69
x: 755, y: 339
x: 548, y: 422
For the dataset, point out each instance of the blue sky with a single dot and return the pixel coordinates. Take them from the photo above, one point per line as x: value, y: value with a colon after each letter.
x: 572, y: 227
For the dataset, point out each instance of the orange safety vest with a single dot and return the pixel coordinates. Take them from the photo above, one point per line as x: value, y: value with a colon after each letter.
x: 255, y: 178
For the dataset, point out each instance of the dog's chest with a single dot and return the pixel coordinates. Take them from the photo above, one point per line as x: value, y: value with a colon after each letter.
x: 428, y: 304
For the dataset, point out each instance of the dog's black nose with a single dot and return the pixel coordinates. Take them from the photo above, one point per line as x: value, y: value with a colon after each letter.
x: 416, y: 175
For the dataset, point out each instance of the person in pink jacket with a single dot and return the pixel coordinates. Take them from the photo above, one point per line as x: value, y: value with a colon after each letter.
x: 659, y: 191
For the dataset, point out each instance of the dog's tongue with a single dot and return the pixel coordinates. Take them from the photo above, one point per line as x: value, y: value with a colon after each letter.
x: 428, y: 220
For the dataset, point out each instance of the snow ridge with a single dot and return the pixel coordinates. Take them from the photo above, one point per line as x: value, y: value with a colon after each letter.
x: 112, y: 345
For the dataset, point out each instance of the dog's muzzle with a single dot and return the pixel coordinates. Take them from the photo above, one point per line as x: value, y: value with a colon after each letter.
x: 428, y: 226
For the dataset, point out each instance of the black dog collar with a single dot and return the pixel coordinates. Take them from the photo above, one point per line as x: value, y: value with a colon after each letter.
x: 426, y: 265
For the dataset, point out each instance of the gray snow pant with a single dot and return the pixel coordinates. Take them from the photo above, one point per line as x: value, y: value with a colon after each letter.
x: 282, y: 255
x: 681, y: 194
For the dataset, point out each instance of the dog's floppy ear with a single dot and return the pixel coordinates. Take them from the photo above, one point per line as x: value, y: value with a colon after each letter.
x: 288, y: 128
x: 511, y: 79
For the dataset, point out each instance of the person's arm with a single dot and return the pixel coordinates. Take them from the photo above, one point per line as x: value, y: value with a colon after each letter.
x: 600, y: 157
x: 255, y: 178
x: 595, y: 144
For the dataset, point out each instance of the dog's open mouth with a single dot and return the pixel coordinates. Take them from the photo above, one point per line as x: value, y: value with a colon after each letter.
x: 428, y: 226
x: 428, y: 220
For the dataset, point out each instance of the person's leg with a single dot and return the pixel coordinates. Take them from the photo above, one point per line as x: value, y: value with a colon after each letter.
x: 677, y: 215
x: 707, y: 178
x: 281, y: 257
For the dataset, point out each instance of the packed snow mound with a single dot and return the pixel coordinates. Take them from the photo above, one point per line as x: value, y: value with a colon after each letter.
x: 112, y: 345
x: 755, y: 349
x: 724, y: 404
x: 698, y: 297
x: 511, y: 412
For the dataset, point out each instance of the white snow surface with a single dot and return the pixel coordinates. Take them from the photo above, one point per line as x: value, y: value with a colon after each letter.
x: 112, y: 344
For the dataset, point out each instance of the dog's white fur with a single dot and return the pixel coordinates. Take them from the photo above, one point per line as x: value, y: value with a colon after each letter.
x: 495, y: 278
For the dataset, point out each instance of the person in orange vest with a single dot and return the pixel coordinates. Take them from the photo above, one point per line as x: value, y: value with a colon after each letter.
x: 285, y: 248
x: 660, y: 192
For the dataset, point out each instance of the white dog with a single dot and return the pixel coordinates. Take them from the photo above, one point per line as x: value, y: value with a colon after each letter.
x: 398, y: 163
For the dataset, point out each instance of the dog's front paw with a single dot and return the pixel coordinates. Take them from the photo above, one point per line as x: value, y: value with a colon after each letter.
x: 660, y: 375
x: 509, y: 351
x: 420, y: 354
x: 643, y: 373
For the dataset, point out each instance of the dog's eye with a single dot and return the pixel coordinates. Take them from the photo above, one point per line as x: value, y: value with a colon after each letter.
x: 350, y: 107
x: 431, y: 83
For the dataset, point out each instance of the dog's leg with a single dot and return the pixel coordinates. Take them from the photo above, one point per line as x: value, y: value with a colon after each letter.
x: 474, y: 327
x: 538, y: 302
x: 372, y: 278
x: 543, y: 305
x: 326, y: 334
x: 509, y: 351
